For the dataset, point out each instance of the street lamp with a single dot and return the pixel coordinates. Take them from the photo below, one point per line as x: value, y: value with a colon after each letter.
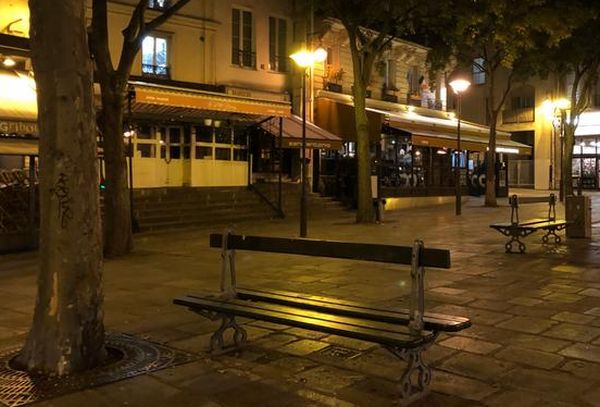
x: 562, y: 105
x: 305, y: 60
x: 459, y: 83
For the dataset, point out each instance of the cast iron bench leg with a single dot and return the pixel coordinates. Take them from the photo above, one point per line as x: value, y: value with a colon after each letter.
x: 514, y: 239
x: 551, y: 232
x: 416, y: 369
x: 217, y: 341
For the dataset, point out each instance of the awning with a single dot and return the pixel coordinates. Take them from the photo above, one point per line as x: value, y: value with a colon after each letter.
x: 316, y: 137
x: 184, y: 103
x: 18, y: 146
x: 18, y: 104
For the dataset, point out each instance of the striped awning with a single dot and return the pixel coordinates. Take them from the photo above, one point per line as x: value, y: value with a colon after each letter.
x: 18, y: 146
x: 189, y: 103
x: 316, y: 137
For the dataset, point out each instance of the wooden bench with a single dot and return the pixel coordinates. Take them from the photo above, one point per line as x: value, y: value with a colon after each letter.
x: 517, y: 229
x: 406, y: 333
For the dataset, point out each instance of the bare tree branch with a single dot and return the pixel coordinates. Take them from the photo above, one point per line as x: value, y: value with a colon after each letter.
x: 165, y: 15
x: 98, y: 36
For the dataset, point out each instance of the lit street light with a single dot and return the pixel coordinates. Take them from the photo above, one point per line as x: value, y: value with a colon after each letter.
x: 305, y: 59
x: 459, y: 84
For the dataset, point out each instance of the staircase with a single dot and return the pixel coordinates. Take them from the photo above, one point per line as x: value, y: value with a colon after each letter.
x: 177, y: 208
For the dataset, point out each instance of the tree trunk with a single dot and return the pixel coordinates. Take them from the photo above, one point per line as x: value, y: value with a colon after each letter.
x: 490, y: 176
x: 67, y: 334
x: 118, y: 237
x: 364, y: 213
x: 567, y: 164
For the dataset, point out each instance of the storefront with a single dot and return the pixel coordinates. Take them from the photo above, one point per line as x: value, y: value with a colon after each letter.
x: 413, y: 149
x: 187, y: 137
x: 586, y: 151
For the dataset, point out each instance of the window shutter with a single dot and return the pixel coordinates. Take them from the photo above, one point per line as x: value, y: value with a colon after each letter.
x: 235, y: 36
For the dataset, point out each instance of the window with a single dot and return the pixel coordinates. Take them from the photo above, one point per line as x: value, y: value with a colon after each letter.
x: 158, y: 4
x: 478, y: 71
x: 412, y: 78
x: 242, y: 53
x: 155, y: 56
x: 390, y: 74
x: 277, y: 44
x: 522, y: 102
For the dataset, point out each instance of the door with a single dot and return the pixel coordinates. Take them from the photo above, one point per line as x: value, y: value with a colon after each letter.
x: 174, y: 148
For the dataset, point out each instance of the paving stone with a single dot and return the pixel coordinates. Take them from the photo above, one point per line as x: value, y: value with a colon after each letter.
x: 304, y: 333
x: 582, y: 368
x: 593, y: 311
x: 565, y: 268
x: 583, y: 351
x: 328, y: 379
x: 537, y: 342
x: 477, y: 316
x: 513, y: 398
x: 456, y: 385
x: 529, y: 357
x: 268, y: 325
x: 349, y: 342
x: 292, y: 364
x: 275, y: 340
x: 555, y: 384
x: 573, y: 317
x: 593, y: 397
x: 563, y: 297
x: 525, y: 301
x: 447, y: 291
x: 572, y: 332
x: 591, y: 292
x: 527, y: 324
x: 303, y: 347
x: 476, y: 366
x: 490, y: 305
x: 470, y: 345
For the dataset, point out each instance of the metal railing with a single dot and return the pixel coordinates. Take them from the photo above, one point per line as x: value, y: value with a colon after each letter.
x: 160, y: 71
x: 278, y: 63
x: 243, y: 58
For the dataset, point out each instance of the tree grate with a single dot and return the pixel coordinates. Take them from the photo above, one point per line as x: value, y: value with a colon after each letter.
x: 135, y: 357
x: 338, y: 352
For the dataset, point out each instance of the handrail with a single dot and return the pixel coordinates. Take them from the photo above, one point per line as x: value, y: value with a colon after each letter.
x: 278, y: 210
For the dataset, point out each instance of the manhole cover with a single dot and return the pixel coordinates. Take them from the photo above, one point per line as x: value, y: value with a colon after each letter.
x: 135, y: 357
x: 338, y: 352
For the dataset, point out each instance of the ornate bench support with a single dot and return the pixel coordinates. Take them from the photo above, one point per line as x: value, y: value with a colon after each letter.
x: 551, y: 232
x: 414, y: 383
x: 217, y: 342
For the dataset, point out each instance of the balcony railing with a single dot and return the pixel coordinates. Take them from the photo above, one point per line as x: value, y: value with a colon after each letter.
x: 243, y: 58
x: 159, y: 71
x: 515, y: 116
x: 278, y: 63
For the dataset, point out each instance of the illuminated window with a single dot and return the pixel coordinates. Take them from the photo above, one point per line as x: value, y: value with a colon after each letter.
x: 155, y: 56
x: 478, y: 71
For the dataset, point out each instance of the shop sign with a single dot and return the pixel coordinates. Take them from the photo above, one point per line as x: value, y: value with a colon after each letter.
x: 18, y: 127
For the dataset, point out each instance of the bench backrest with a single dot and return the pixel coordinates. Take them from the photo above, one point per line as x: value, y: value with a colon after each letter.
x: 417, y: 257
x: 515, y: 201
x: 383, y: 253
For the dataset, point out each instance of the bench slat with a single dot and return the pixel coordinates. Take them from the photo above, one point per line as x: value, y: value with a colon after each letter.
x: 532, y: 199
x: 385, y: 334
x: 432, y: 321
x: 439, y: 258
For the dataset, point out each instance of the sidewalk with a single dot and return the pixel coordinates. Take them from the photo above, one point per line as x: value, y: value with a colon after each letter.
x: 536, y: 317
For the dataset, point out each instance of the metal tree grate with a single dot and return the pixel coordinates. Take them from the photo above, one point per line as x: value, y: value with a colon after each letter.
x: 18, y: 388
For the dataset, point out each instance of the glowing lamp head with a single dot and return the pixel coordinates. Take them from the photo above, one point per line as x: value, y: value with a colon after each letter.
x: 8, y: 62
x: 302, y: 58
x: 460, y: 85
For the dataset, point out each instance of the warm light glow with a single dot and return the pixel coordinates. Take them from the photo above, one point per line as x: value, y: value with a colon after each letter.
x: 562, y: 104
x: 9, y: 62
x: 305, y: 58
x: 460, y: 85
x: 18, y: 96
x: 507, y: 150
x: 320, y: 55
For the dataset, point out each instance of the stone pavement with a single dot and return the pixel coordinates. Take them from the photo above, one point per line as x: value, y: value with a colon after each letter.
x: 535, y: 338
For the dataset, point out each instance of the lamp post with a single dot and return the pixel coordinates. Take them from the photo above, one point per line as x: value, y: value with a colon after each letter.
x: 561, y: 106
x: 305, y: 60
x: 459, y: 84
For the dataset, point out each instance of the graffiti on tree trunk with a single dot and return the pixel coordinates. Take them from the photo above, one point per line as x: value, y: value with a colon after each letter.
x: 62, y: 193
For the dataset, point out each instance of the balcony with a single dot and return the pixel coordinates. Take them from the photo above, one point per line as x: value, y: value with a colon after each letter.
x: 245, y: 59
x: 516, y: 116
x: 156, y: 71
